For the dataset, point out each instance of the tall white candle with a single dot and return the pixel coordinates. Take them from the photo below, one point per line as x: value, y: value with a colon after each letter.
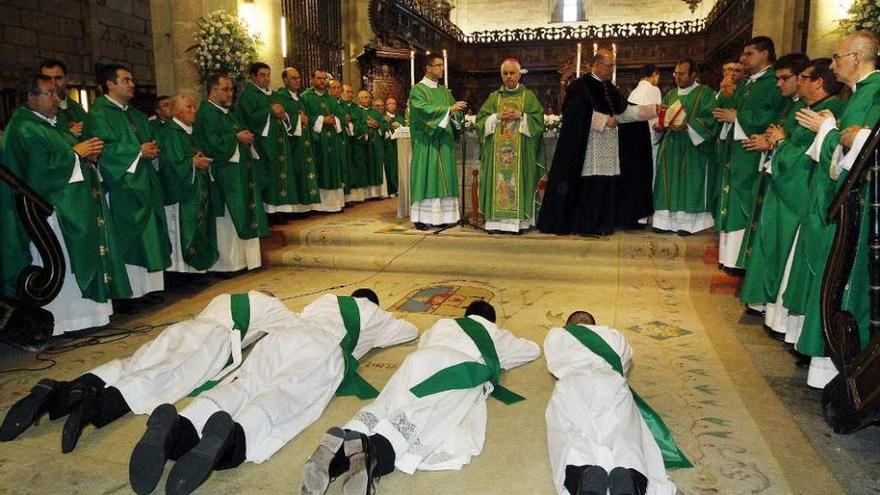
x: 614, y: 52
x: 595, y: 48
x: 577, y: 69
x: 412, y: 68
x: 445, y: 70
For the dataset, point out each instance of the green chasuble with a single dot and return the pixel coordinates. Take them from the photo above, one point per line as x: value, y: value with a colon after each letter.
x: 156, y: 126
x: 345, y: 108
x: 136, y: 197
x: 275, y: 166
x: 359, y: 150
x: 73, y: 112
x: 190, y: 188
x: 391, y: 152
x: 511, y: 163
x: 433, y: 173
x: 42, y: 155
x: 777, y: 220
x: 682, y: 182
x: 14, y: 240
x: 376, y: 140
x: 305, y: 176
x: 233, y: 170
x: 759, y: 105
x: 330, y: 150
x: 721, y: 155
x: 815, y: 239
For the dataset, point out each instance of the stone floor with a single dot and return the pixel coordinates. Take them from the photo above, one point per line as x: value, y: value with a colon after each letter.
x: 737, y: 404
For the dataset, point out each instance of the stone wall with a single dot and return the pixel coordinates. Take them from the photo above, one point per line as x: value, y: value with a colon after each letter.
x: 81, y: 33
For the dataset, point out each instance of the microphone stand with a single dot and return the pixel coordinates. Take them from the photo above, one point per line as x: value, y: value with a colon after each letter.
x: 462, y: 219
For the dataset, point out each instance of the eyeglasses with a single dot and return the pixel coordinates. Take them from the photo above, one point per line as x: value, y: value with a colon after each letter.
x: 732, y: 69
x: 803, y: 77
x: 606, y: 64
x: 47, y: 93
x: 784, y: 78
x: 680, y: 73
x: 836, y: 57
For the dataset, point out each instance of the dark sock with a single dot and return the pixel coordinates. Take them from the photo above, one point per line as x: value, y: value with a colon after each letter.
x: 110, y: 407
x: 183, y: 438
x: 573, y: 475
x: 339, y: 464
x: 384, y: 454
x: 234, y: 450
x: 59, y: 405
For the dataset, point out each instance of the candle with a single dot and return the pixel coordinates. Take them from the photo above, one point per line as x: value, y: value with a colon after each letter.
x: 614, y: 52
x: 412, y: 68
x: 445, y: 70
x: 577, y: 69
x: 595, y: 48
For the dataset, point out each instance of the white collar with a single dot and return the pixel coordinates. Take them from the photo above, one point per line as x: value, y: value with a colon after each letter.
x: 63, y: 104
x: 51, y: 121
x: 754, y: 77
x: 510, y: 90
x: 222, y: 109
x: 188, y: 129
x: 363, y: 107
x: 319, y: 93
x: 293, y: 94
x: 390, y: 114
x: 643, y: 82
x: 267, y: 92
x: 863, y: 78
x: 429, y: 83
x: 687, y: 90
x: 120, y: 105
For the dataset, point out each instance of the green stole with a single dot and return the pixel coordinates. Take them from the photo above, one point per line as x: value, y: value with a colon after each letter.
x: 240, y: 307
x: 352, y: 383
x: 673, y: 458
x: 470, y: 374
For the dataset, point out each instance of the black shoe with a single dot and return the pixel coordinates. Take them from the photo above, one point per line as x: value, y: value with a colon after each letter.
x: 27, y: 410
x: 359, y: 477
x: 149, y: 455
x: 684, y: 233
x: 800, y: 360
x: 421, y: 226
x: 154, y: 298
x: 316, y: 471
x: 124, y: 306
x: 594, y: 481
x: 196, y: 465
x: 774, y: 334
x: 754, y: 312
x: 623, y: 481
x: 83, y: 398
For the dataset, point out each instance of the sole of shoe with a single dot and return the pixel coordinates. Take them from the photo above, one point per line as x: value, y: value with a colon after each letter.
x: 149, y: 455
x: 24, y: 413
x: 196, y: 465
x: 316, y: 471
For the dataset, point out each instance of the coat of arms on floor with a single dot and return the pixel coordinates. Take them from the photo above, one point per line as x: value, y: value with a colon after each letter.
x: 442, y: 300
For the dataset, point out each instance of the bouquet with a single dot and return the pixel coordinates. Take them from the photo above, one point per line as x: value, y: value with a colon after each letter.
x: 224, y: 45
x: 552, y: 123
x: 863, y: 14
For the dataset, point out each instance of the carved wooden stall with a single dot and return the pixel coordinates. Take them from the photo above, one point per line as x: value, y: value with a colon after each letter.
x: 548, y: 53
x: 315, y: 35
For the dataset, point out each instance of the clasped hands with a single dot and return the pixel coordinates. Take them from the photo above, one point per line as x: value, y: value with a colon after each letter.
x: 89, y: 149
x: 507, y: 114
x: 201, y: 161
x: 150, y: 150
x: 458, y: 106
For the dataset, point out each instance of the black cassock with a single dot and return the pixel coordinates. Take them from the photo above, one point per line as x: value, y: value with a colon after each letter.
x: 635, y: 189
x: 574, y: 204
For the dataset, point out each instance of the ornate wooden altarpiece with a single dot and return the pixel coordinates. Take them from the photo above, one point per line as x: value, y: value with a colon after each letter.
x: 548, y: 53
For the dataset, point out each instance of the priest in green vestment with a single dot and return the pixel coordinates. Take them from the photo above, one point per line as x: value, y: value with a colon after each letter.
x: 161, y: 114
x: 434, y: 125
x: 70, y: 113
x: 376, y: 186
x: 726, y: 97
x: 128, y: 168
x: 241, y: 219
x: 357, y: 188
x: 305, y: 174
x: 47, y: 156
x: 759, y: 105
x: 393, y: 121
x: 681, y: 187
x: 511, y: 128
x: 184, y: 169
x: 326, y: 121
x: 265, y: 117
x: 835, y: 148
x: 342, y: 94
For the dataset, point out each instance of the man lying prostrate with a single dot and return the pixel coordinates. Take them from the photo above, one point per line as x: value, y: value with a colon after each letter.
x: 283, y: 386
x: 432, y: 413
x: 183, y: 357
x: 599, y: 439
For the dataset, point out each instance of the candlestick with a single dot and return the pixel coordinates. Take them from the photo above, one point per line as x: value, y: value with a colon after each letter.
x: 445, y: 70
x: 595, y: 48
x: 578, y: 67
x: 412, y: 68
x: 614, y: 52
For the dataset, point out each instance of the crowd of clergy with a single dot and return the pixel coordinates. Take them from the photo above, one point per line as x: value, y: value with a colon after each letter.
x: 140, y: 203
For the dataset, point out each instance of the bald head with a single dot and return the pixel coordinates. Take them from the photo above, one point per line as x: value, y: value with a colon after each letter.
x: 856, y: 57
x: 364, y: 98
x: 865, y: 42
x: 511, y: 72
x: 335, y: 88
x: 183, y: 108
x: 378, y: 103
x: 347, y: 93
x: 291, y: 78
x: 391, y: 105
x: 603, y: 64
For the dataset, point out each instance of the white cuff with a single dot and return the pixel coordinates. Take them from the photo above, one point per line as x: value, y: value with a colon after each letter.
x: 695, y: 136
x: 491, y: 122
x: 319, y: 124
x: 598, y: 122
x: 349, y: 129
x: 445, y: 121
x: 738, y: 133
x: 265, y: 132
x: 858, y: 143
x: 337, y: 124
x: 236, y: 157
x: 77, y: 175
x: 764, y: 162
x: 725, y: 130
x: 134, y: 165
x: 299, y: 126
x: 524, y: 126
x: 815, y: 149
x: 254, y: 154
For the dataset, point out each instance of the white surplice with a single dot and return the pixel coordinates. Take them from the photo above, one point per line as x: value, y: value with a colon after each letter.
x: 189, y: 353
x: 289, y: 378
x: 592, y: 418
x: 440, y: 431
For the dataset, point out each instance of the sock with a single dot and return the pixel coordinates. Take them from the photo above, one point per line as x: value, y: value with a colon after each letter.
x: 110, y: 407
x: 183, y: 438
x: 59, y: 405
x: 384, y: 454
x: 340, y: 462
x: 573, y: 475
x: 234, y: 450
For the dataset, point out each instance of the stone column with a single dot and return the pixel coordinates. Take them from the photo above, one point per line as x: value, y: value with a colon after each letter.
x: 823, y: 36
x: 781, y: 20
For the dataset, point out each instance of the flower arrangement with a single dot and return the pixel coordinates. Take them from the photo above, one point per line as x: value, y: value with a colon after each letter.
x: 552, y: 123
x: 470, y: 123
x: 863, y: 14
x: 224, y: 45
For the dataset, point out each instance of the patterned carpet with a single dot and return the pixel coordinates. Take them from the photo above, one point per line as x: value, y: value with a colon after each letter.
x: 662, y: 291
